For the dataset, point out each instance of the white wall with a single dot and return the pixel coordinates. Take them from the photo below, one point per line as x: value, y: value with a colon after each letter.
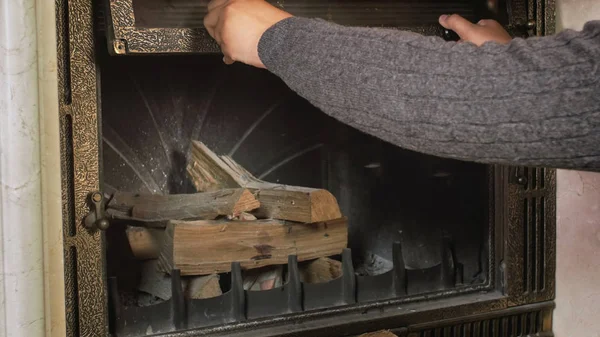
x: 578, y: 255
x: 31, y: 250
x: 578, y: 220
x: 21, y: 245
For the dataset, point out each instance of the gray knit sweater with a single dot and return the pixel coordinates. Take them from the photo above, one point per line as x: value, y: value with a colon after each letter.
x: 532, y: 102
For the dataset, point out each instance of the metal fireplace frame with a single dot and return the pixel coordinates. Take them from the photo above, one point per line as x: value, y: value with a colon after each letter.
x: 518, y: 301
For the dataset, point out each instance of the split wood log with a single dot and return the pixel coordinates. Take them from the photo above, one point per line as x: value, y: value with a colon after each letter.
x: 244, y: 216
x: 145, y: 243
x: 210, y: 172
x: 200, y: 287
x: 158, y: 208
x: 320, y: 270
x: 206, y: 247
x: 263, y: 278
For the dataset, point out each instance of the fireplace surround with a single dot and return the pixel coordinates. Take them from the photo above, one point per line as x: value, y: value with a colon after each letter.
x: 474, y: 244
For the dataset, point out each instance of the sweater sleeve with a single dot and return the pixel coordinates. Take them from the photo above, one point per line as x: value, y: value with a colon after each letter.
x: 533, y: 102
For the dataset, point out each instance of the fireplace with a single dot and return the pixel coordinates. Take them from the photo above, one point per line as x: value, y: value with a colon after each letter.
x: 436, y: 247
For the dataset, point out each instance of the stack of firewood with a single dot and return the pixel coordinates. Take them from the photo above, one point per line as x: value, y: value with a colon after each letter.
x: 234, y: 217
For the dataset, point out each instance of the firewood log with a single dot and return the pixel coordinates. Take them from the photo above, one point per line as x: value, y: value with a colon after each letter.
x: 263, y: 278
x: 210, y: 172
x: 244, y: 216
x: 200, y: 287
x: 206, y: 247
x: 320, y: 270
x: 158, y: 208
x: 145, y: 242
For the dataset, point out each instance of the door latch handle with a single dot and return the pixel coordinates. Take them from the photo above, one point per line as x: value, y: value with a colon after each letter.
x: 96, y: 219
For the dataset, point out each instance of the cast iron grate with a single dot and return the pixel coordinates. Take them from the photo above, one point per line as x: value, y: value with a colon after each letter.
x: 534, y: 231
x: 525, y: 324
x: 294, y: 296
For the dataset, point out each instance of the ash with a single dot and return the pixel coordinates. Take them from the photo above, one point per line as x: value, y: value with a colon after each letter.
x: 373, y: 265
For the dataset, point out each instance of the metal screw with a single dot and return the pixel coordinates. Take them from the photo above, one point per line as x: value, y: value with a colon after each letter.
x: 119, y: 46
x: 97, y: 197
x: 531, y: 24
x: 522, y: 180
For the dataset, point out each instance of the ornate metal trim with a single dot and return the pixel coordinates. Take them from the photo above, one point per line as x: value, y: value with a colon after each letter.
x: 126, y: 36
x: 531, y: 235
x: 85, y: 282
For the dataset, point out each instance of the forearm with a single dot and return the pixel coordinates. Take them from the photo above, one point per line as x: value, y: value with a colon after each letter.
x: 532, y: 102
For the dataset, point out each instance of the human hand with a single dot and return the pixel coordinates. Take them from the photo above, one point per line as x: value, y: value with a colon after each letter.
x: 478, y: 34
x: 237, y: 26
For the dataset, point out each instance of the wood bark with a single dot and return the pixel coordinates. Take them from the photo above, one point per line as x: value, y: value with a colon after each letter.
x: 159, y: 208
x: 210, y: 172
x: 206, y: 247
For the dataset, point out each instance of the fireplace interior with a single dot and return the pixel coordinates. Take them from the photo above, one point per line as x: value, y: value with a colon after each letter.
x: 429, y: 240
x: 435, y: 209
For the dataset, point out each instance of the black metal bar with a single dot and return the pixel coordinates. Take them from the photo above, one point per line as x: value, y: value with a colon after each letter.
x: 467, y: 330
x: 447, y: 271
x: 399, y: 279
x: 293, y: 287
x: 514, y: 325
x: 459, y: 277
x: 177, y: 301
x: 114, y: 304
x: 348, y: 278
x: 238, y: 297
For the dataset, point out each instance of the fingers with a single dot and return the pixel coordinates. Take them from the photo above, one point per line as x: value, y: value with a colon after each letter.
x: 228, y: 60
x: 215, y: 3
x: 458, y: 24
x: 487, y: 23
x: 211, y: 20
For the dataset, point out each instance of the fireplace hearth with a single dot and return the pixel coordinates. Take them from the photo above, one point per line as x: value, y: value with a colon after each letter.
x: 436, y: 247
